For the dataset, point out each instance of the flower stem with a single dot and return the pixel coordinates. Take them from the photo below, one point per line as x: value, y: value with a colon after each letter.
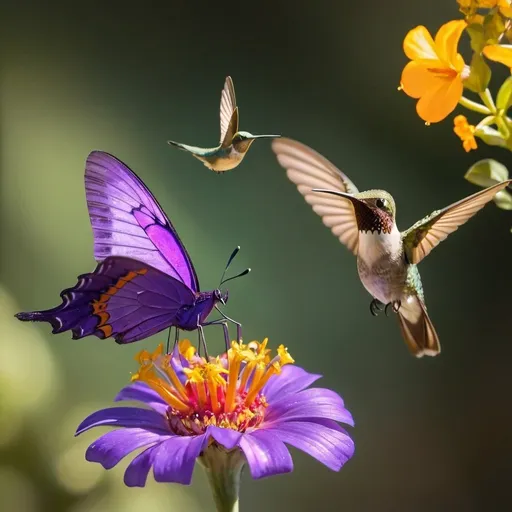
x: 486, y: 97
x: 474, y: 106
x: 223, y: 469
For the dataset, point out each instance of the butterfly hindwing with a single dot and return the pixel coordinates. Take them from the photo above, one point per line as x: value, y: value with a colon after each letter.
x: 123, y: 298
x: 127, y: 220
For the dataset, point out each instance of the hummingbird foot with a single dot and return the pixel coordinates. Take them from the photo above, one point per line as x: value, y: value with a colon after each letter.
x: 395, y: 306
x: 376, y: 307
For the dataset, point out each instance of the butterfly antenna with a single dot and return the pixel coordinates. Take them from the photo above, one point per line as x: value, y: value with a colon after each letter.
x: 231, y: 258
x: 244, y: 273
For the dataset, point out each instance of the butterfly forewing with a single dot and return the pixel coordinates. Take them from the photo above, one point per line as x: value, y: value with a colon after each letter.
x: 127, y: 220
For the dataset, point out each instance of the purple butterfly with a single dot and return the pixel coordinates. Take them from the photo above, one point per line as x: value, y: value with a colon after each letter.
x: 145, y: 281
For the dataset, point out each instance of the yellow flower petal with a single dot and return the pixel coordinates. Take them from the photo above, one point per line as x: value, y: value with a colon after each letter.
x: 418, y: 44
x: 447, y: 40
x: 417, y: 79
x: 438, y: 103
x: 505, y: 8
x: 500, y: 53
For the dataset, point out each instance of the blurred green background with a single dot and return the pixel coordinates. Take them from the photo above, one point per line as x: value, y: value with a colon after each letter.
x: 431, y: 434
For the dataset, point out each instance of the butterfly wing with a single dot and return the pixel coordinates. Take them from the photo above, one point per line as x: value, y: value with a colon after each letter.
x: 127, y: 220
x: 228, y: 116
x: 123, y: 298
x: 308, y: 169
x: 426, y: 234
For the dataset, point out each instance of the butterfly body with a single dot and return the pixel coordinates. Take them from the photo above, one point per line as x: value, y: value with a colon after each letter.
x: 365, y: 222
x: 190, y: 316
x: 234, y: 143
x: 145, y: 281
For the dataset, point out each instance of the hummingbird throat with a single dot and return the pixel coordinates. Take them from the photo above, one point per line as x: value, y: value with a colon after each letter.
x: 372, y: 219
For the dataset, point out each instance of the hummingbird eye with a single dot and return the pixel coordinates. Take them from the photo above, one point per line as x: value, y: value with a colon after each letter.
x: 381, y: 203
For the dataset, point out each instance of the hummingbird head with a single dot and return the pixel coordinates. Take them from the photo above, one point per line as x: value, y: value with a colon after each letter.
x: 374, y: 209
x: 242, y: 140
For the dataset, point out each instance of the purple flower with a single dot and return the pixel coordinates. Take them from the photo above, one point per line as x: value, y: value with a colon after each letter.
x: 241, y: 404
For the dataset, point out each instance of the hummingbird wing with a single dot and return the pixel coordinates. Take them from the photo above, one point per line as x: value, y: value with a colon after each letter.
x: 232, y: 129
x: 427, y: 233
x: 417, y: 328
x: 227, y: 110
x: 308, y: 169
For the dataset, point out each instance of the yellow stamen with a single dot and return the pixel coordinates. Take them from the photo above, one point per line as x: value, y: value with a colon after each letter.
x: 262, y: 374
x: 167, y: 394
x: 284, y: 356
x: 144, y: 357
x: 245, y: 376
x: 235, y: 358
x: 212, y: 390
x: 197, y: 377
x: 201, y: 393
x: 255, y: 387
x: 187, y: 350
x: 169, y: 371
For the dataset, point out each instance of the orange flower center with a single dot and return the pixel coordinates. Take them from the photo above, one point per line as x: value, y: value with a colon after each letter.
x: 225, y: 391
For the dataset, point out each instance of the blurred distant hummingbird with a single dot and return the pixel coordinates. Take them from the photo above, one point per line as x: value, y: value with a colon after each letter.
x: 365, y: 223
x: 234, y: 144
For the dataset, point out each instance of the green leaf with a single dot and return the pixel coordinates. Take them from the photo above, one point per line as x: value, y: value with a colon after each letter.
x: 504, y: 98
x: 503, y: 200
x: 494, y: 27
x: 490, y: 136
x: 486, y: 173
x: 477, y: 36
x: 479, y: 74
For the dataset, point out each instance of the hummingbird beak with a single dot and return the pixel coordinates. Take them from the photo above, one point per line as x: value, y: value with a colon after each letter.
x: 350, y: 197
x: 254, y: 137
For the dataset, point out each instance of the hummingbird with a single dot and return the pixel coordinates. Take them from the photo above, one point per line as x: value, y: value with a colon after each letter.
x: 234, y: 144
x: 365, y: 222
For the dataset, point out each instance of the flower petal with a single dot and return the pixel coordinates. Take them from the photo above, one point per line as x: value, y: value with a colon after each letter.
x: 438, y: 103
x: 314, y: 402
x: 141, y: 392
x: 292, y: 379
x: 418, y: 44
x: 447, y: 41
x: 331, y: 447
x: 125, y: 417
x: 225, y: 436
x: 500, y: 53
x: 175, y: 458
x: 417, y: 77
x: 266, y: 454
x: 110, y: 448
x: 137, y: 471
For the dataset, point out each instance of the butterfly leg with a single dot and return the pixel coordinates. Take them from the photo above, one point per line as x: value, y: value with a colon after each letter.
x: 202, y: 340
x: 238, y: 325
x: 225, y: 328
x: 376, y: 307
x: 168, y: 341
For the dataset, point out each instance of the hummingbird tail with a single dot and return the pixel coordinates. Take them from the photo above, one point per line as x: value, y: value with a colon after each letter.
x: 417, y: 328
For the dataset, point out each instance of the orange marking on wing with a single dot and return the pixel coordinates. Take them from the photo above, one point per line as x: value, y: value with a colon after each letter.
x: 107, y: 330
x: 99, y: 306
